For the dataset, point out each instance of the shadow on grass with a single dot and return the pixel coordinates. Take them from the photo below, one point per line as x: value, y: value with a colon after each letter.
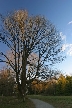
x: 14, y: 102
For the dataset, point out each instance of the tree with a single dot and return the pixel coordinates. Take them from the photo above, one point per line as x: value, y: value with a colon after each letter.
x: 6, y: 82
x: 25, y: 35
x: 61, y: 82
x: 37, y: 86
x: 68, y: 86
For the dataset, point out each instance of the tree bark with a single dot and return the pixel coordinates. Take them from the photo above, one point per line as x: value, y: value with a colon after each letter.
x: 23, y: 75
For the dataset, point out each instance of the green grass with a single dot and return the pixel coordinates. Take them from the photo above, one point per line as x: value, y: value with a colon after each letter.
x: 56, y: 101
x: 13, y: 102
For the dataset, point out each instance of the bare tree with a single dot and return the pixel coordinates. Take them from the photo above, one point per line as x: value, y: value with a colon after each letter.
x: 25, y: 35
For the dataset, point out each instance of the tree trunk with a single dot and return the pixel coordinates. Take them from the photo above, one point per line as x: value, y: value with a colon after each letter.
x: 23, y: 76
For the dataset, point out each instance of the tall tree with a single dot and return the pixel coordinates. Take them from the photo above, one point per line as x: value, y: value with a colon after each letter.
x: 25, y: 35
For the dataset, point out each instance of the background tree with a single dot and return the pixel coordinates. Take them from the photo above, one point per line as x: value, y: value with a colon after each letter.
x: 37, y: 86
x: 68, y: 86
x: 7, y: 82
x: 25, y: 35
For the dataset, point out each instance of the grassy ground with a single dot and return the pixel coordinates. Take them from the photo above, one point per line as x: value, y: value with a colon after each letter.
x: 56, y: 101
x: 13, y: 102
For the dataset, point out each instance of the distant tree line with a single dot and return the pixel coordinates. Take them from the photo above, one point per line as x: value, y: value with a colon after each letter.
x: 60, y: 86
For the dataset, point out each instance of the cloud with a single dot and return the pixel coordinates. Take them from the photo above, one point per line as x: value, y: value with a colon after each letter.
x: 68, y: 49
x: 69, y: 52
x: 63, y: 36
x: 64, y: 47
x: 70, y: 22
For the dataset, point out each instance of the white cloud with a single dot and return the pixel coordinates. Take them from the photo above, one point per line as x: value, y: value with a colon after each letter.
x: 68, y: 49
x: 69, y: 52
x: 70, y: 22
x: 63, y: 36
x: 65, y: 46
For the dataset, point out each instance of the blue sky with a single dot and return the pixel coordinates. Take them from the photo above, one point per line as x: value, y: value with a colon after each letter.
x: 59, y: 12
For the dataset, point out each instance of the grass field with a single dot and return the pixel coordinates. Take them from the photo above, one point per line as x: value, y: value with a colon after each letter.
x: 13, y: 102
x: 56, y: 101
